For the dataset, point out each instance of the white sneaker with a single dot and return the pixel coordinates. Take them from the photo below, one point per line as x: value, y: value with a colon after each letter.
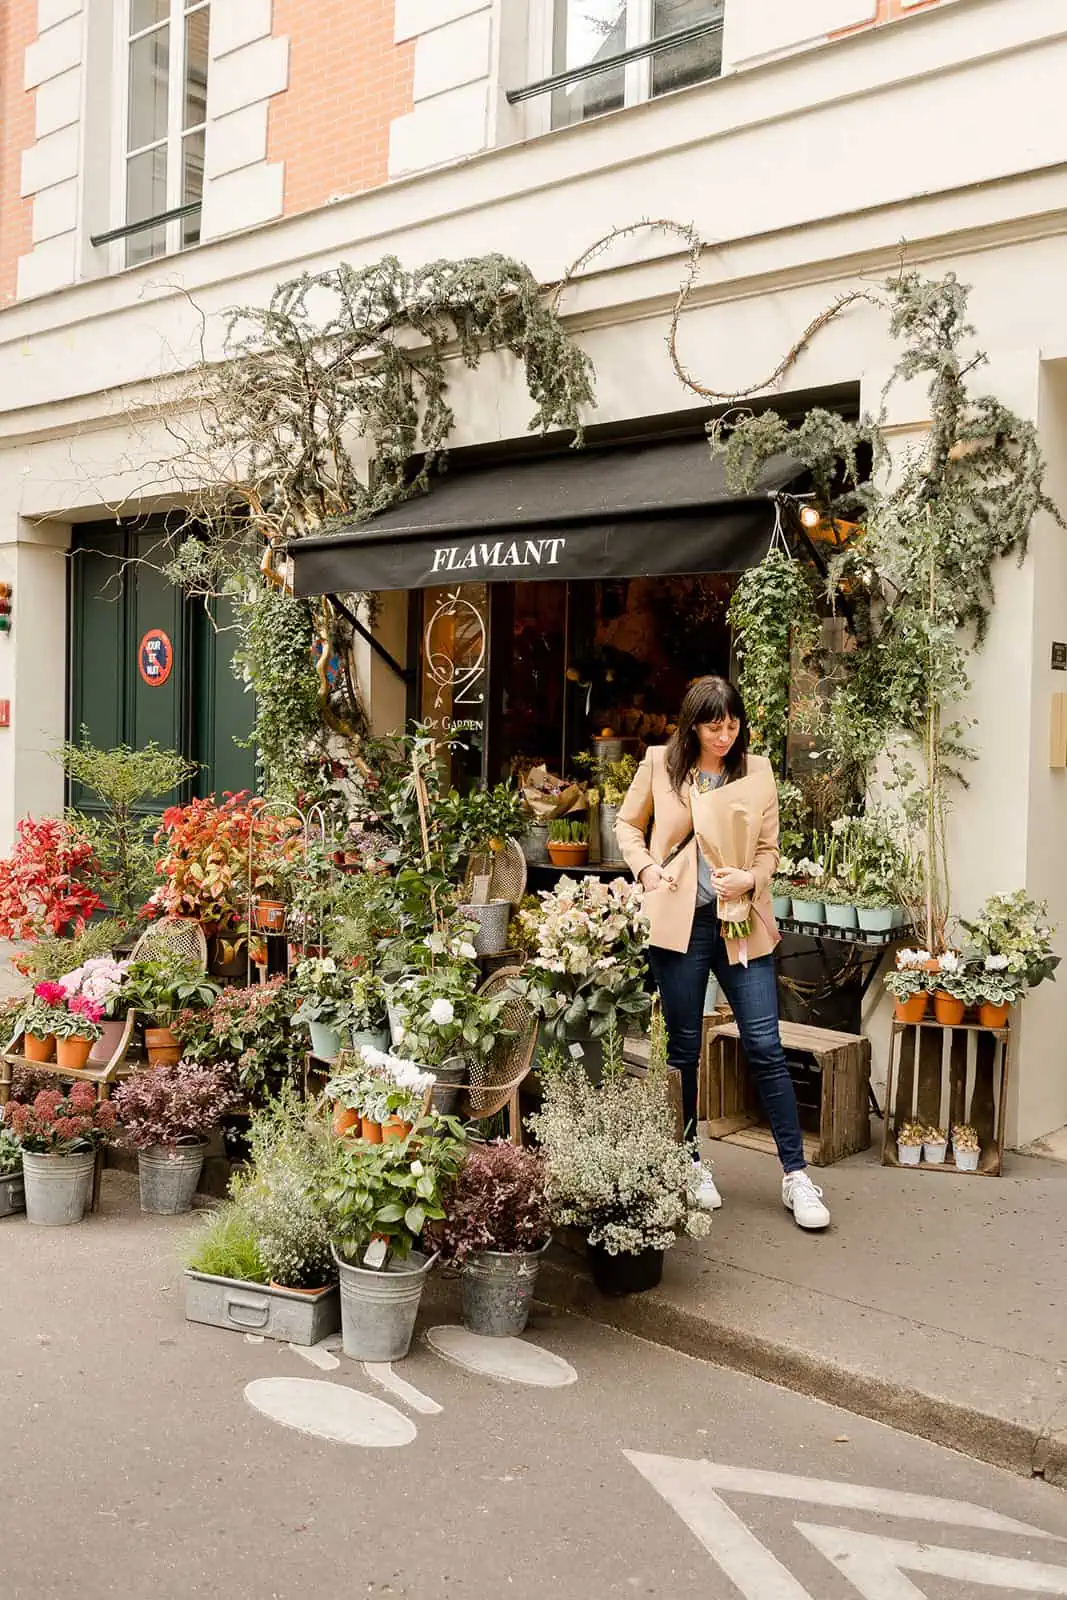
x: 708, y: 1197
x: 805, y: 1201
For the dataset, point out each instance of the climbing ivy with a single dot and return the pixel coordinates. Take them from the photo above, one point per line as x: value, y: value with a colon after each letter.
x: 774, y: 617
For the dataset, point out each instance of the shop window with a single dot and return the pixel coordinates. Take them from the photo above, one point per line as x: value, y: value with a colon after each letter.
x: 454, y: 674
x: 165, y: 46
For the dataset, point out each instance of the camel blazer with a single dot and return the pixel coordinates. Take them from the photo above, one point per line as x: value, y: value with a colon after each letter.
x: 737, y: 824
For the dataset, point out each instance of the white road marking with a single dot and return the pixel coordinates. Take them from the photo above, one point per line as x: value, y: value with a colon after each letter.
x: 381, y: 1372
x: 331, y: 1411
x: 509, y: 1360
x: 318, y: 1355
x: 876, y: 1566
x: 254, y: 1338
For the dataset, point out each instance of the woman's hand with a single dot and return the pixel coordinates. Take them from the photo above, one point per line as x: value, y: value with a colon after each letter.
x: 732, y: 883
x: 652, y: 878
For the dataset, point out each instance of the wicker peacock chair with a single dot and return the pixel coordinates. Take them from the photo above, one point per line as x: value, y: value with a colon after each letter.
x: 172, y: 936
x: 495, y: 1082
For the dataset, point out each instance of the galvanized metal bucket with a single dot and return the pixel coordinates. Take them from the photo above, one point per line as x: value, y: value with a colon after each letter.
x: 378, y: 1309
x: 12, y: 1192
x: 169, y: 1174
x: 450, y: 1080
x: 59, y: 1189
x: 285, y: 1314
x: 497, y: 1290
x: 373, y: 1038
x: 534, y: 844
x: 609, y: 845
x: 492, y: 919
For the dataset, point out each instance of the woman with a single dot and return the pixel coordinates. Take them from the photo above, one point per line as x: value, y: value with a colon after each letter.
x: 706, y: 871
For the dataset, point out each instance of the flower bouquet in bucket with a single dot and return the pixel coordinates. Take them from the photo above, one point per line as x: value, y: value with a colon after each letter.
x: 58, y: 1134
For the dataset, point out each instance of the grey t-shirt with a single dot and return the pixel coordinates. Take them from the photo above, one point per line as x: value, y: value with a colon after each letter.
x: 706, y: 895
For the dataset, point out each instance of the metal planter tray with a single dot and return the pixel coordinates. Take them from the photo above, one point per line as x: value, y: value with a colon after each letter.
x: 12, y: 1193
x: 254, y: 1308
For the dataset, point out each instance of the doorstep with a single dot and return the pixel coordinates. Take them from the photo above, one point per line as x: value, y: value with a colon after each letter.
x: 934, y: 1308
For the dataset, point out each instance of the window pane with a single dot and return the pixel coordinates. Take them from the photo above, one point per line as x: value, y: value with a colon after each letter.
x: 588, y: 31
x: 146, y: 13
x: 149, y: 77
x: 146, y: 196
x: 196, y: 41
x: 686, y: 63
x: 192, y: 183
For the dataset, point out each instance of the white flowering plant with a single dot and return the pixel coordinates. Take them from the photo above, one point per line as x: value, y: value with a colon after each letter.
x: 1016, y: 928
x: 587, y: 973
x: 613, y: 1164
x: 324, y: 987
x: 379, y: 1085
x: 100, y: 980
x: 442, y: 1013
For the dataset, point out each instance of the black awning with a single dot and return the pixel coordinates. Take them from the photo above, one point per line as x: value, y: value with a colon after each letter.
x: 644, y: 510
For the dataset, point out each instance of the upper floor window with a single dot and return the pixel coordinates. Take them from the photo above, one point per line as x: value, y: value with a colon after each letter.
x: 606, y: 54
x: 166, y: 117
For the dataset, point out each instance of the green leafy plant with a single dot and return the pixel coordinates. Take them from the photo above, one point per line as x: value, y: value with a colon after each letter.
x: 611, y: 778
x: 10, y: 1152
x: 225, y: 1247
x: 391, y: 1191
x: 568, y: 830
x: 166, y: 985
x: 1013, y: 936
x: 290, y: 1151
x: 252, y: 1028
x: 53, y: 957
x: 774, y: 616
x: 587, y: 973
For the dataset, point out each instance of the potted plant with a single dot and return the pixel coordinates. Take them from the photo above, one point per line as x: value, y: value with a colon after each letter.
x: 102, y: 980
x: 966, y: 1147
x: 909, y: 985
x: 76, y: 1028
x: 587, y: 973
x: 568, y: 841
x: 275, y: 852
x: 205, y: 851
x: 838, y: 908
x: 58, y: 1135
x: 12, y: 1184
x: 1014, y: 929
x: 474, y: 828
x: 910, y: 1139
x: 997, y: 990
x: 369, y: 1021
x: 497, y: 1229
x: 37, y: 1019
x: 807, y: 897
x: 614, y: 1167
x: 380, y: 1198
x: 384, y: 1093
x: 250, y: 1027
x: 612, y: 776
x: 325, y: 1009
x: 166, y: 1115
x: 782, y: 890
x: 935, y: 1145
x: 160, y: 989
x: 952, y: 989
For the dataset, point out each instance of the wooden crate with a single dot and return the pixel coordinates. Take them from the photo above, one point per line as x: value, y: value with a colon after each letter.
x: 842, y: 1063
x: 949, y: 1075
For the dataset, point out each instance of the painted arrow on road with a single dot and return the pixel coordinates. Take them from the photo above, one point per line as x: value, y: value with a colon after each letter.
x: 874, y: 1566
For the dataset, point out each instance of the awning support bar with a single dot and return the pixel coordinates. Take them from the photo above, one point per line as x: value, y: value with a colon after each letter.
x: 403, y: 673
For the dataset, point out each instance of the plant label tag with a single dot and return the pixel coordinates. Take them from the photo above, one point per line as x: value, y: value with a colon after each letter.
x: 480, y: 891
x: 577, y: 1053
x: 376, y: 1253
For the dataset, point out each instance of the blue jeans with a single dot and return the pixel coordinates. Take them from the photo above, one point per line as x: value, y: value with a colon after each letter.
x: 682, y: 980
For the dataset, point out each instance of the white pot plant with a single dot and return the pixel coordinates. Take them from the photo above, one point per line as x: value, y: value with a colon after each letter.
x: 380, y: 1198
x: 166, y: 1115
x: 966, y: 1147
x: 808, y: 905
x: 497, y: 1229
x: 369, y: 1022
x: 910, y: 1138
x: 935, y: 1145
x: 12, y: 1188
x: 782, y: 886
x: 59, y: 1135
x: 325, y: 1009
x: 614, y: 1167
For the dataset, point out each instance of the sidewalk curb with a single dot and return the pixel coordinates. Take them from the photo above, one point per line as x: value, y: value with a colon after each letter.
x: 564, y: 1285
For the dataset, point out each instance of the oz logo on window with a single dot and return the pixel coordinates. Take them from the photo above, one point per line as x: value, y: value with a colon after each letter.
x: 155, y: 658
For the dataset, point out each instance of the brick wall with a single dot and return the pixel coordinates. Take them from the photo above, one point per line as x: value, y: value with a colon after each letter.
x: 347, y: 82
x: 18, y: 29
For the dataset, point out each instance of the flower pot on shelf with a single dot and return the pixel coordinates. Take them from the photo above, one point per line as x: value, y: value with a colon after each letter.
x: 909, y: 1155
x: 395, y: 1129
x: 373, y: 1038
x: 38, y: 1049
x: 58, y: 1187
x: 625, y: 1274
x: 449, y: 1081
x: 568, y: 855
x: 812, y: 911
x: 104, y: 1047
x: 948, y: 1011
x: 914, y: 1009
x: 346, y: 1121
x: 782, y: 906
x: 269, y: 915
x: 378, y: 1309
x: 162, y: 1047
x: 371, y: 1131
x: 934, y: 1152
x: 325, y: 1041
x: 876, y: 919
x: 844, y: 917
x: 497, y: 1291
x: 72, y: 1053
x: 168, y: 1175
x: 492, y: 919
x: 534, y: 844
x: 993, y: 1016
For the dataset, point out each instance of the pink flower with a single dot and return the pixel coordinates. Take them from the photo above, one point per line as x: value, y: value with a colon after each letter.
x: 53, y: 994
x: 82, y: 1006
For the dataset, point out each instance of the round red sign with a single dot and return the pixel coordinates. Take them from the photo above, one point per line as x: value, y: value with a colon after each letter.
x: 155, y: 658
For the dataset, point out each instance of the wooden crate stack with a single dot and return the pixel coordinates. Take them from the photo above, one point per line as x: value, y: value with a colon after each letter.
x: 943, y: 1076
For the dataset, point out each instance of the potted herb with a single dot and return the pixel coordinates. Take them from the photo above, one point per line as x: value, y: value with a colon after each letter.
x: 325, y: 993
x: 497, y: 1229
x: 909, y: 985
x: 12, y: 1185
x: 369, y: 1020
x: 568, y: 841
x: 615, y: 1169
x: 58, y: 1135
x: 160, y: 989
x: 935, y: 1145
x: 966, y: 1147
x: 380, y: 1198
x: 102, y: 980
x: 807, y: 894
x: 166, y: 1115
x: 1015, y: 931
x: 910, y: 1143
x: 951, y: 988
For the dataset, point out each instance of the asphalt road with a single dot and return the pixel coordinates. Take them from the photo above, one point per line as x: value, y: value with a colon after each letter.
x: 135, y: 1463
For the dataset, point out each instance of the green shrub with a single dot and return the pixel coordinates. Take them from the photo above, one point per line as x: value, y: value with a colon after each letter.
x: 226, y: 1247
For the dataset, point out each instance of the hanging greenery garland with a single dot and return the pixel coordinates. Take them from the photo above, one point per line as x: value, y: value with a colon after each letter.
x: 774, y: 618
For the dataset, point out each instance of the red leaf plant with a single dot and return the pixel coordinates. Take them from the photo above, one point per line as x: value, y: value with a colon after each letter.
x: 169, y: 1104
x: 46, y: 884
x: 58, y: 1123
x: 206, y: 852
x: 498, y: 1203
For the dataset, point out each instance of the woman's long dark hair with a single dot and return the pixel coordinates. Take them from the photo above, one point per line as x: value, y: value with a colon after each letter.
x: 707, y: 700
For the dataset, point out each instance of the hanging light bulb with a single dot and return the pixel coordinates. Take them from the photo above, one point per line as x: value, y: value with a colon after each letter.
x: 811, y: 516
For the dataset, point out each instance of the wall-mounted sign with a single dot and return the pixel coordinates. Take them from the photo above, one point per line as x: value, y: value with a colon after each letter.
x: 155, y: 658
x: 1059, y: 658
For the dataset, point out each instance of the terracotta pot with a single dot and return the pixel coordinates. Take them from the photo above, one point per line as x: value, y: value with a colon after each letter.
x: 568, y: 855
x: 949, y: 1012
x: 269, y: 916
x: 162, y: 1047
x: 73, y: 1053
x: 913, y: 1010
x: 346, y: 1121
x: 38, y: 1049
x: 107, y: 1044
x: 993, y: 1016
x: 395, y: 1129
x: 372, y: 1131
x: 288, y: 1288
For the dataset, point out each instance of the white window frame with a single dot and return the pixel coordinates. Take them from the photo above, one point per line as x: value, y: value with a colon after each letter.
x: 175, y: 136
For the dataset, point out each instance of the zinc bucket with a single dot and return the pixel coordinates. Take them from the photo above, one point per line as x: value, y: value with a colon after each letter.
x: 497, y: 1290
x: 168, y: 1177
x: 58, y: 1188
x: 378, y: 1309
